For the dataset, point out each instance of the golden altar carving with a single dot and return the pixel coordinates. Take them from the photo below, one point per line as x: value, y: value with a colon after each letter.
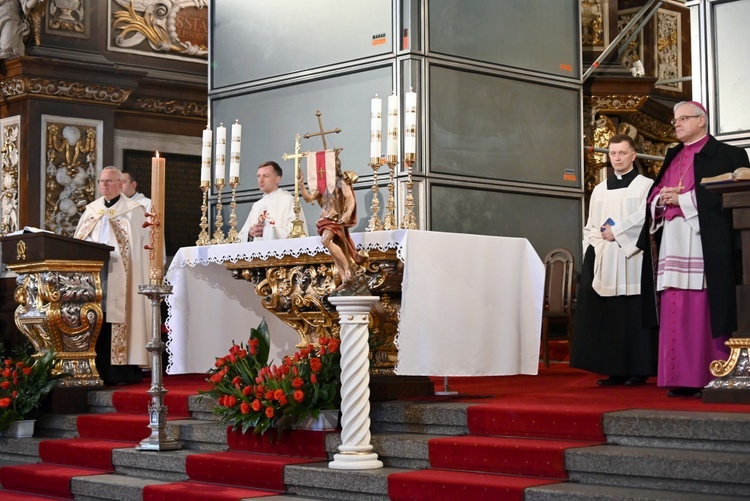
x: 296, y: 289
x: 59, y: 295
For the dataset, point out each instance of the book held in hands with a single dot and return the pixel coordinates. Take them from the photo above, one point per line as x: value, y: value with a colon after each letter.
x: 739, y: 174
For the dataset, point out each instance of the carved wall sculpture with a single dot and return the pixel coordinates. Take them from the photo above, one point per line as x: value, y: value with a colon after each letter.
x: 593, y: 19
x: 176, y: 29
x: 668, y: 49
x: 10, y: 136
x: 634, y: 50
x: 66, y: 15
x: 72, y: 153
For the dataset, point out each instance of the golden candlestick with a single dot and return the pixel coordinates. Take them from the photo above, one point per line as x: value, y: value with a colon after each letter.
x: 203, y: 238
x: 389, y: 221
x: 298, y: 229
x: 233, y: 236
x: 409, y: 221
x: 375, y: 223
x: 219, y: 237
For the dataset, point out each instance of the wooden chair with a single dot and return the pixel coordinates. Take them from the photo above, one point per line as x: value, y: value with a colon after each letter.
x: 558, y: 296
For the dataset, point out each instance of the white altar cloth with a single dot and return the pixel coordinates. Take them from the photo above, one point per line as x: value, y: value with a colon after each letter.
x: 471, y: 305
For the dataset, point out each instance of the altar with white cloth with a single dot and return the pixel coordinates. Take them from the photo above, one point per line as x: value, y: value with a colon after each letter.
x: 471, y: 305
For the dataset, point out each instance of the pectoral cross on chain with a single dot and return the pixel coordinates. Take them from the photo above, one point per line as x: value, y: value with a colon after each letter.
x: 322, y: 132
x: 297, y: 228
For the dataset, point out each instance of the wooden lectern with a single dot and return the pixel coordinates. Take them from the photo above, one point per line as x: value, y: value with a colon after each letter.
x: 59, y: 292
x: 733, y: 375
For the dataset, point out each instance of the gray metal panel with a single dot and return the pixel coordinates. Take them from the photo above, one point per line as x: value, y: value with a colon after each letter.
x: 732, y: 55
x: 534, y: 35
x: 271, y: 118
x: 547, y: 222
x: 492, y: 127
x: 257, y: 39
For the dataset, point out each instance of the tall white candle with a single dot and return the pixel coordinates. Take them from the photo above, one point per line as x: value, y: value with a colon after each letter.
x: 206, y: 156
x: 376, y: 127
x: 393, y: 125
x: 234, y: 155
x: 221, y: 151
x: 410, y: 123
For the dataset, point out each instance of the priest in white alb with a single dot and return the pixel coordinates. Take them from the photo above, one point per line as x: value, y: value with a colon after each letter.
x: 271, y: 217
x: 115, y: 220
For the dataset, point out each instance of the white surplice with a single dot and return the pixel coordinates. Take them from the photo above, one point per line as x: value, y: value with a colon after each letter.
x: 121, y: 226
x: 276, y: 212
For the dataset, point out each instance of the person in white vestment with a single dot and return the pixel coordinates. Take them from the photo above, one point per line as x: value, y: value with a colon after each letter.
x: 270, y: 217
x: 115, y: 220
x: 608, y: 336
x: 130, y: 190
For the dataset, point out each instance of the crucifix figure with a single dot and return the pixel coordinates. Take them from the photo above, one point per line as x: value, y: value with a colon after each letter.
x: 335, y: 195
x: 297, y: 224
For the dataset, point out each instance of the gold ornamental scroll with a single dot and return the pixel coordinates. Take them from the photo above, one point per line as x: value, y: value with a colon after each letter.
x: 59, y: 296
x: 296, y: 289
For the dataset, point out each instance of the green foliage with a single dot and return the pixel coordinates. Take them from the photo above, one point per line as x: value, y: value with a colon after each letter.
x: 24, y: 382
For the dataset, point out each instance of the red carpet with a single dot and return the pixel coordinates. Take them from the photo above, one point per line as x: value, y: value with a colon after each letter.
x: 431, y: 485
x: 81, y: 452
x: 520, y: 429
x: 241, y: 469
x: 299, y: 443
x: 197, y: 491
x: 510, y: 456
x: 43, y: 478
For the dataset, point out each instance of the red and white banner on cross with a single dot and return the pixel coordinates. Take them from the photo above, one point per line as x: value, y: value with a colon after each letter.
x: 321, y: 171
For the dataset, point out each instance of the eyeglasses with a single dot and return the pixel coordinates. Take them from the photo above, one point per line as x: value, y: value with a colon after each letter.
x: 682, y: 119
x: 109, y: 181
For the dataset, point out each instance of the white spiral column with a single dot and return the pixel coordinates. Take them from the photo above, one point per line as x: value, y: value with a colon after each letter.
x: 355, y: 449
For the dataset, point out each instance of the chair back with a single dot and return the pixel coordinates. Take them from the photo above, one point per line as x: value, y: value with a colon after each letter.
x: 558, y: 283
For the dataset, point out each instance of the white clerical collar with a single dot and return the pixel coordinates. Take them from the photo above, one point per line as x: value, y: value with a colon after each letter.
x: 274, y: 192
x: 619, y: 176
x: 699, y: 139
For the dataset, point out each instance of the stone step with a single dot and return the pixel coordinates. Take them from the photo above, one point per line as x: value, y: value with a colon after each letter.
x: 318, y: 480
x: 700, y: 471
x: 718, y: 431
x: 444, y: 418
x: 573, y: 491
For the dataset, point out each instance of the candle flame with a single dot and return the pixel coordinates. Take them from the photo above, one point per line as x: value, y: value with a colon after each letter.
x: 157, y: 154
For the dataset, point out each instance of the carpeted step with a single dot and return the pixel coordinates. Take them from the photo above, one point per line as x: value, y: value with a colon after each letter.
x: 300, y: 443
x: 199, y: 491
x: 42, y: 479
x: 119, y: 426
x: 242, y: 469
x: 137, y: 401
x: 81, y: 452
x: 511, y: 456
x: 429, y: 485
x: 20, y: 496
x: 540, y: 421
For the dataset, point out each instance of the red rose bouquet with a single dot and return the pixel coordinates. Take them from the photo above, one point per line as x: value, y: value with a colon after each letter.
x: 251, y: 393
x: 24, y: 382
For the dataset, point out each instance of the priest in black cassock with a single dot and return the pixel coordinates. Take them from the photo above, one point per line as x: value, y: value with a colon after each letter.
x: 608, y: 337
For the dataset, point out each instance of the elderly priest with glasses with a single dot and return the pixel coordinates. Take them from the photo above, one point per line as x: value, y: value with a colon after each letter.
x: 115, y: 220
x: 689, y: 280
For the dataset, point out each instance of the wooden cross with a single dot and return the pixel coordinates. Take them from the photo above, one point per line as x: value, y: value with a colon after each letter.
x: 322, y: 132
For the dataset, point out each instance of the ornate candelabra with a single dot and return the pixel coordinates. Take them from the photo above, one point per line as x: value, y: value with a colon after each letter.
x: 375, y: 223
x: 233, y: 235
x: 203, y: 237
x: 389, y: 221
x: 219, y: 237
x: 159, y: 440
x: 409, y: 221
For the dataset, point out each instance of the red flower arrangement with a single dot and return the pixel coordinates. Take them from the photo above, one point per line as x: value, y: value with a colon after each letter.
x: 24, y: 382
x: 251, y: 393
